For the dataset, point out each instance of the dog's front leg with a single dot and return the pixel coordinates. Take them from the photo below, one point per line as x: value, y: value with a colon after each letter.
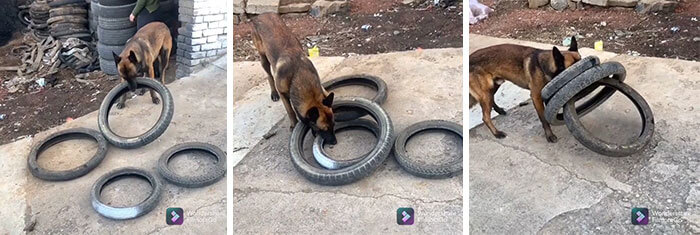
x: 122, y: 101
x: 151, y: 74
x: 536, y: 95
x: 290, y: 111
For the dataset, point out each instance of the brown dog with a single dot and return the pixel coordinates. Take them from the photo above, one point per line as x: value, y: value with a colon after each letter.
x: 526, y: 67
x: 295, y: 77
x: 147, y: 52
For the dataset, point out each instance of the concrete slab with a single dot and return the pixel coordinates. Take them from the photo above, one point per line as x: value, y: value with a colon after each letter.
x: 510, y: 95
x: 272, y: 197
x: 64, y: 207
x: 537, y: 177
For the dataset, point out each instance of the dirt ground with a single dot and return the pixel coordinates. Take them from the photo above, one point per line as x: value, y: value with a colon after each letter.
x: 33, y: 109
x: 394, y: 27
x: 623, y: 31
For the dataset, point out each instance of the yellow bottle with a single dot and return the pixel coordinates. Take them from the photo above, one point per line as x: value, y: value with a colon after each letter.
x: 313, y: 52
x: 598, y: 46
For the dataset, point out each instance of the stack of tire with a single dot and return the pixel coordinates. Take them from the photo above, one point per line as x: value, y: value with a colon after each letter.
x: 113, y: 30
x: 39, y: 14
x: 68, y: 19
x: 93, y: 18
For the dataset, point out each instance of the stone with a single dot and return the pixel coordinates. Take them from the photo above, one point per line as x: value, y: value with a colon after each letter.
x: 622, y: 3
x: 287, y: 2
x: 411, y: 2
x: 324, y: 7
x: 262, y: 6
x: 651, y: 6
x: 559, y: 5
x: 238, y: 6
x: 295, y: 8
x: 572, y: 4
x: 537, y: 3
x: 602, y: 3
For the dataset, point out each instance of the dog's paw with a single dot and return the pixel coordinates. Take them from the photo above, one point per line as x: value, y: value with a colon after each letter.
x: 552, y: 138
x: 141, y: 91
x: 274, y: 96
x: 500, y: 135
x: 155, y: 100
x: 120, y: 105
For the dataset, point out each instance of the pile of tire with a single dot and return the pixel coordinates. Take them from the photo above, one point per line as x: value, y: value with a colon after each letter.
x: 113, y: 30
x: 39, y: 15
x: 106, y: 137
x: 579, y: 81
x: 349, y: 113
x: 68, y: 19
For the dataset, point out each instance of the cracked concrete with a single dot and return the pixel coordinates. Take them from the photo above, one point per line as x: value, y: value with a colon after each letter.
x: 516, y: 183
x: 270, y: 196
x: 64, y: 207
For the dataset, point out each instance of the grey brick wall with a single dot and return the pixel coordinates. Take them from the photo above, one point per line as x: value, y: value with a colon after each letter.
x: 202, y: 35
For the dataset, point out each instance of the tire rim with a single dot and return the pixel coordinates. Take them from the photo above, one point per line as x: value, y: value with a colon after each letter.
x: 176, y: 179
x: 598, y: 145
x: 149, y: 136
x: 65, y: 135
x: 324, y: 158
x: 122, y: 213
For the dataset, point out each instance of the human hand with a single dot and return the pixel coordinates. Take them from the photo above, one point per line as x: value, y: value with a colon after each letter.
x: 132, y: 17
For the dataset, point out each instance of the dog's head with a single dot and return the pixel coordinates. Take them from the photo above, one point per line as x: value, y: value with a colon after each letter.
x: 129, y: 68
x: 320, y: 118
x: 563, y: 60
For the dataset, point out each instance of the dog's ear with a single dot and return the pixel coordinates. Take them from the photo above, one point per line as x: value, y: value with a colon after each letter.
x: 117, y: 59
x: 132, y: 57
x: 558, y: 60
x: 328, y: 101
x: 312, y: 115
x: 574, y: 45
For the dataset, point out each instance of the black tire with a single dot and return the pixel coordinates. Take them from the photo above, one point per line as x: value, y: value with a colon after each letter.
x: 24, y: 17
x: 323, y: 159
x: 432, y: 171
x: 55, y: 138
x: 567, y: 75
x: 67, y: 19
x: 348, y: 113
x: 115, y: 2
x: 108, y: 66
x: 580, y: 85
x: 61, y: 11
x: 116, y: 23
x: 354, y: 172
x: 119, y: 11
x: 150, y: 135
x: 115, y: 37
x: 122, y: 213
x: 105, y: 51
x: 573, y: 123
x: 59, y: 3
x: 196, y: 181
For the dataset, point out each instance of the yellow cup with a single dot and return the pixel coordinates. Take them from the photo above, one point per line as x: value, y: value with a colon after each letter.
x: 598, y: 46
x: 313, y: 52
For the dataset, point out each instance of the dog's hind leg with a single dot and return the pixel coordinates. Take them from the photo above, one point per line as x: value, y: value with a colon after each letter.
x: 486, y: 102
x: 274, y: 94
x: 164, y: 59
x: 498, y: 109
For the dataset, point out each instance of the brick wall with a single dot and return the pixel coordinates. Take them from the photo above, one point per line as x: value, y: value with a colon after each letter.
x: 202, y: 35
